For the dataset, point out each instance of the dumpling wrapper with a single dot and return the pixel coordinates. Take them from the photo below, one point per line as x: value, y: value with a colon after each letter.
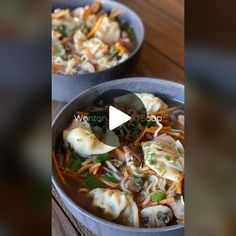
x: 150, y: 102
x: 83, y: 141
x: 108, y: 31
x: 165, y: 156
x: 116, y: 204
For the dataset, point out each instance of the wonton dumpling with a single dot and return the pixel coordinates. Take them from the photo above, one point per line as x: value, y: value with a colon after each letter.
x: 83, y: 141
x: 131, y: 212
x: 96, y: 47
x: 116, y: 204
x: 108, y: 31
x: 165, y: 156
x: 152, y: 103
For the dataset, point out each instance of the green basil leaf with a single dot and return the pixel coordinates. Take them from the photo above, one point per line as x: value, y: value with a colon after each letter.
x: 92, y: 182
x: 102, y: 158
x: 73, y: 164
x: 75, y: 156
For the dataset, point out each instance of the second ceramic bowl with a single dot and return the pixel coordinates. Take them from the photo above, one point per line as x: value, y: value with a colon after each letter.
x: 66, y: 87
x: 165, y: 89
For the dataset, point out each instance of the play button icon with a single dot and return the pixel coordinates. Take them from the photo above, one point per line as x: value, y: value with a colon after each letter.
x: 117, y: 118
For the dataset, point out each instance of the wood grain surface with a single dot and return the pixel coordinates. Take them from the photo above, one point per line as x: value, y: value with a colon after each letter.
x: 162, y: 56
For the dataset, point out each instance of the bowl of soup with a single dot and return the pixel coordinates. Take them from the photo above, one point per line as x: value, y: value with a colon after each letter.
x: 131, y: 189
x: 92, y: 42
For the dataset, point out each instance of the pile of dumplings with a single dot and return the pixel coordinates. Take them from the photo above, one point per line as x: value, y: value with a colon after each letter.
x: 139, y: 185
x: 86, y: 40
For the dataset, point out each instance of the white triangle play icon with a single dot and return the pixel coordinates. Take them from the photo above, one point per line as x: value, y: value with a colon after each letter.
x: 116, y: 118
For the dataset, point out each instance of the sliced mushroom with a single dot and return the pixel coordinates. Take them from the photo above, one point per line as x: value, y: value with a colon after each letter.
x: 177, y: 206
x: 156, y: 216
x: 177, y: 116
x: 135, y: 153
x: 134, y: 184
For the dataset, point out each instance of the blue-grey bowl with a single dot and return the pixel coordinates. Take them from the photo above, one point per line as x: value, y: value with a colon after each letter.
x: 165, y: 89
x: 66, y: 87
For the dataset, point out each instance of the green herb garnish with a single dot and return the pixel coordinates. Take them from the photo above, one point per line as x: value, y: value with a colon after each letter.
x: 157, y: 196
x: 73, y: 164
x: 109, y: 176
x: 126, y: 27
x: 148, y: 123
x: 101, y: 158
x: 92, y: 182
x: 75, y: 156
x: 114, y: 54
x: 152, y: 158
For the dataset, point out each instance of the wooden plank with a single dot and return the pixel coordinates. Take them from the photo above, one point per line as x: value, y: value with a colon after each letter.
x: 173, y: 8
x: 164, y: 33
x: 61, y: 225
x: 83, y: 231
x: 154, y: 63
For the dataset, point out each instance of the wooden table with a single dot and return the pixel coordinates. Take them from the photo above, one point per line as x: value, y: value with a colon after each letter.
x: 162, y: 56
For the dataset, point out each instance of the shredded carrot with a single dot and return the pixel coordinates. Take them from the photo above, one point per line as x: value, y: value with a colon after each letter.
x: 162, y: 111
x: 162, y: 202
x: 60, y: 14
x: 83, y: 168
x: 83, y: 190
x: 94, y: 168
x: 87, y: 12
x: 148, y: 172
x: 179, y: 187
x: 65, y: 40
x: 57, y: 68
x: 109, y: 183
x: 150, y: 204
x: 81, y: 113
x: 120, y: 154
x: 88, y: 53
x: 125, y: 173
x: 146, y: 130
x: 58, y: 172
x: 96, y: 26
x: 139, y: 138
x: 114, y: 13
x: 151, y: 129
x: 167, y: 200
x: 57, y: 34
x: 95, y: 6
x: 89, y: 161
x: 120, y: 48
x: 172, y: 187
x: 68, y: 157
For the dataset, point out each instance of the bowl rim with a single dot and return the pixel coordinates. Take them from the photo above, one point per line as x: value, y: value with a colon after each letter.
x: 87, y: 213
x: 132, y: 54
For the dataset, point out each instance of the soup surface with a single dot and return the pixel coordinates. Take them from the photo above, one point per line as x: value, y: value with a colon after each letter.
x: 88, y: 39
x: 139, y: 185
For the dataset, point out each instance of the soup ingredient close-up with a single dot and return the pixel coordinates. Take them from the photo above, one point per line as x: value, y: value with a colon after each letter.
x: 89, y: 39
x: 139, y: 185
